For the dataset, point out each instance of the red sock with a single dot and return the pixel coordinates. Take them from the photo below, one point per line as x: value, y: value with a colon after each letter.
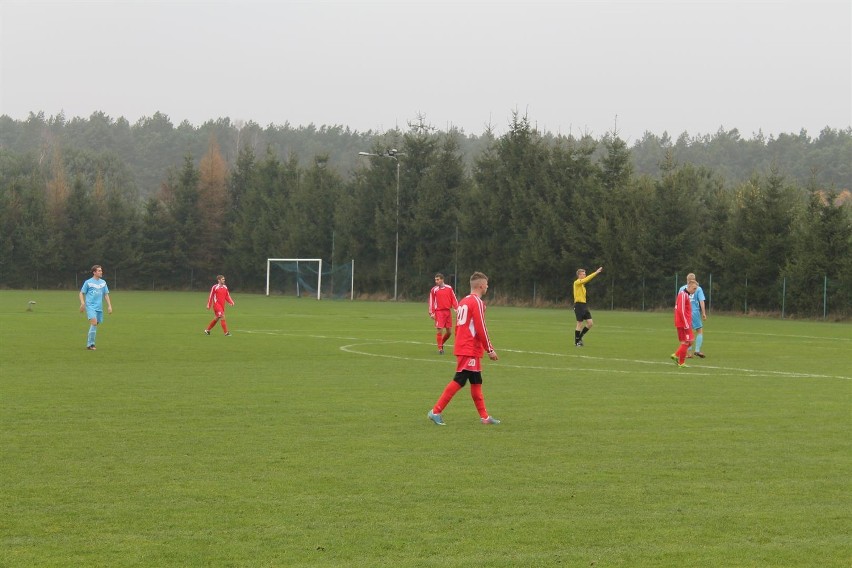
x: 445, y: 338
x: 449, y: 392
x: 439, y: 339
x: 478, y: 400
x: 681, y: 353
x: 212, y: 324
x: 224, y: 325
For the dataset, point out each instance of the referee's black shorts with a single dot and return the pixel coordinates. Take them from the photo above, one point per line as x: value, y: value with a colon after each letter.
x: 581, y: 311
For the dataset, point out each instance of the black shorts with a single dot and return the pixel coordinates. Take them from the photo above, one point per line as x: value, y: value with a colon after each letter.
x: 581, y: 311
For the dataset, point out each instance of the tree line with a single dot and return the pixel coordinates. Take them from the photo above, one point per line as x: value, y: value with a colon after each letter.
x: 527, y: 208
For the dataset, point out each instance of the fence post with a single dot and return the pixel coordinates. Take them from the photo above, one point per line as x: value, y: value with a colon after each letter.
x: 825, y: 296
x: 612, y: 295
x: 783, y: 296
x: 710, y: 295
x: 746, y: 296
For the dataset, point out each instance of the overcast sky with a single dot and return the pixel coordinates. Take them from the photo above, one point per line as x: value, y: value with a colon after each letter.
x: 571, y: 66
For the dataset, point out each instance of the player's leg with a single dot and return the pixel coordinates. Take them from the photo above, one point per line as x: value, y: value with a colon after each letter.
x: 218, y: 314
x: 479, y: 400
x: 476, y: 394
x: 685, y: 341
x: 578, y: 329
x: 699, y: 340
x: 92, y: 335
x: 681, y: 355
x: 93, y: 327
x: 450, y: 391
x: 588, y: 323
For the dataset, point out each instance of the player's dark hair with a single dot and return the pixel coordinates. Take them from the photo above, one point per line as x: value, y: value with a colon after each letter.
x: 95, y: 267
x: 439, y: 275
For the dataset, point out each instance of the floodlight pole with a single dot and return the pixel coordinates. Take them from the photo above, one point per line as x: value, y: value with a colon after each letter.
x: 392, y: 153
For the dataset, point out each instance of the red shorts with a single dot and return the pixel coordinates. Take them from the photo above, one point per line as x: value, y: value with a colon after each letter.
x: 468, y: 363
x: 443, y: 319
x: 219, y: 310
x: 684, y: 334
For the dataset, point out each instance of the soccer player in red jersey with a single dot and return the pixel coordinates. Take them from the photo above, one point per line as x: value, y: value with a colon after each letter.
x: 442, y: 299
x: 683, y: 322
x: 219, y: 296
x: 471, y: 342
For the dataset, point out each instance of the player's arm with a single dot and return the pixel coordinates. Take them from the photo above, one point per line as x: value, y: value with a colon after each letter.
x: 592, y: 275
x: 108, y: 302
x: 685, y: 309
x: 430, y: 309
x: 482, y: 332
x: 703, y: 313
x: 210, y: 297
x: 82, y: 302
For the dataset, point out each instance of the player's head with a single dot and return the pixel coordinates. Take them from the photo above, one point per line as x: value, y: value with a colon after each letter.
x: 220, y: 279
x: 97, y: 268
x: 692, y: 286
x: 690, y: 277
x: 478, y: 281
x: 581, y: 272
x: 439, y: 278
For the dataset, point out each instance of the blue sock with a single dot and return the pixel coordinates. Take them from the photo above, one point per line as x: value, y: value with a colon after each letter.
x: 90, y: 340
x: 698, y: 341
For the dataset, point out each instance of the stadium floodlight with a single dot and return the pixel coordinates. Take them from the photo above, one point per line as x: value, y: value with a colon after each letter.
x: 393, y: 154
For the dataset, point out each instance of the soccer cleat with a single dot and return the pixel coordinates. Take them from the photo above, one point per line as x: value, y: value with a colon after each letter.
x: 436, y: 418
x: 682, y: 366
x: 489, y: 420
x: 90, y: 347
x: 228, y: 334
x: 440, y: 351
x: 674, y: 358
x: 689, y: 355
x: 206, y: 332
x: 579, y: 343
x: 700, y: 354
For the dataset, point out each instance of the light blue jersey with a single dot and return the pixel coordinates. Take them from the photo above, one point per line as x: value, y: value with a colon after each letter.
x: 694, y: 299
x: 94, y: 290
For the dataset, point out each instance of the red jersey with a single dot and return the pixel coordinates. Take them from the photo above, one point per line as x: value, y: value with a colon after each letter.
x: 683, y: 311
x: 218, y: 296
x: 442, y: 298
x: 471, y: 334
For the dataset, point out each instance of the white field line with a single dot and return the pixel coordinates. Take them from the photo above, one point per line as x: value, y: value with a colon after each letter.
x: 717, y: 371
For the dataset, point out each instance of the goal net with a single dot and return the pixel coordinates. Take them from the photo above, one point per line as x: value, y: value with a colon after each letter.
x: 309, y: 277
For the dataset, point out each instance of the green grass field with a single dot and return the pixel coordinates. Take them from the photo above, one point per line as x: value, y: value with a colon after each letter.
x: 302, y: 440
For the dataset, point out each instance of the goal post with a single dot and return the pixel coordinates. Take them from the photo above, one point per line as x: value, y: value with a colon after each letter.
x: 309, y: 277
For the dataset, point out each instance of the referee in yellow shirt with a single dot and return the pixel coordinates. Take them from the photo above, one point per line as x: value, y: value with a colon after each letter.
x: 581, y: 310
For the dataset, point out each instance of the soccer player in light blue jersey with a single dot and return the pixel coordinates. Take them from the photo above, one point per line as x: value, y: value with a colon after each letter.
x: 92, y: 296
x: 699, y: 314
